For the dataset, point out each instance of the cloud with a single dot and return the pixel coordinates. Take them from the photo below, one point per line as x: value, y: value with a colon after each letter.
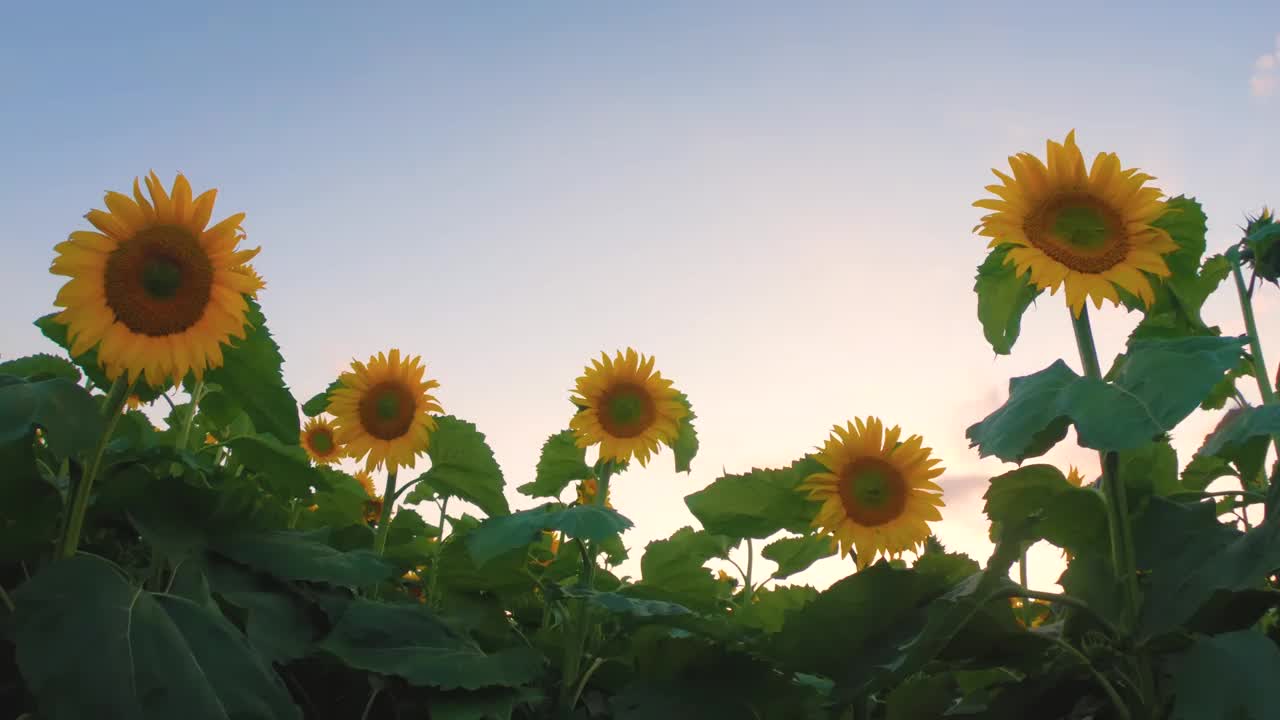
x: 1266, y: 73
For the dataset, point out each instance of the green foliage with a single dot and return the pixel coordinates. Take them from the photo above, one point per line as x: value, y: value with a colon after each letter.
x: 1228, y: 677
x: 673, y: 569
x: 768, y: 610
x: 500, y: 534
x: 1159, y: 383
x: 1003, y: 297
x: 137, y: 654
x: 757, y: 504
x: 560, y: 463
x: 796, y: 554
x: 319, y: 403
x: 29, y: 506
x: 251, y: 377
x: 285, y: 469
x: 685, y: 446
x: 34, y: 368
x: 1242, y: 439
x: 68, y: 415
x: 1036, y: 502
x: 303, y: 555
x: 462, y: 466
x: 413, y: 643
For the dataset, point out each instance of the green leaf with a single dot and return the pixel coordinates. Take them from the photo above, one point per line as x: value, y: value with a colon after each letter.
x: 278, y: 622
x: 672, y: 569
x: 1226, y: 387
x: 1186, y: 223
x: 340, y: 501
x: 1159, y: 383
x: 1203, y: 470
x: 409, y: 641
x: 621, y: 604
x: 685, y: 446
x: 768, y: 610
x: 757, y: 504
x: 67, y: 413
x: 29, y: 506
x: 319, y: 403
x: 1150, y: 470
x: 1003, y: 297
x: 462, y: 466
x: 500, y: 534
x: 796, y: 554
x: 1242, y: 439
x: 34, y: 368
x: 136, y: 654
x: 251, y: 376
x: 486, y: 704
x: 88, y: 362
x: 296, y: 555
x: 286, y: 468
x: 1037, y: 502
x: 560, y: 463
x: 924, y: 697
x: 1228, y: 677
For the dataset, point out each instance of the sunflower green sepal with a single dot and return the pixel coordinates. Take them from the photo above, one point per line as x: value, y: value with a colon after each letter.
x: 1262, y: 245
x: 1003, y: 297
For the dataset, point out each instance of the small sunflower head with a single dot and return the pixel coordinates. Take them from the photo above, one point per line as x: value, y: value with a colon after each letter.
x: 1262, y: 245
x: 383, y: 411
x: 320, y: 441
x: 587, y: 490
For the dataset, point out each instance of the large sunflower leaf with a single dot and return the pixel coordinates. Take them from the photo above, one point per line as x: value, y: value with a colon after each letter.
x: 462, y: 466
x: 278, y: 622
x: 89, y: 644
x: 498, y: 535
x: 286, y: 469
x: 1003, y: 297
x: 29, y: 506
x: 68, y: 415
x: 685, y: 445
x: 88, y: 361
x: 1186, y: 223
x: 1243, y: 438
x: 252, y: 377
x: 493, y: 703
x: 303, y: 555
x: 1038, y: 501
x: 757, y: 504
x: 560, y: 463
x: 1158, y: 384
x: 796, y: 554
x: 1227, y: 677
x: 769, y: 608
x: 411, y: 642
x: 672, y: 569
x: 40, y: 367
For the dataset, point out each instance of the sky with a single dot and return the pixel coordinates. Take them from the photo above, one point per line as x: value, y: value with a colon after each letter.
x: 773, y: 200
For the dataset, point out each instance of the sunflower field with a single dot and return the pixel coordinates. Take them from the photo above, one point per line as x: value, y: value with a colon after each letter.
x: 223, y: 567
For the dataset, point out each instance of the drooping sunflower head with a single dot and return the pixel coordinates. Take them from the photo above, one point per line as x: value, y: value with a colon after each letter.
x: 1088, y: 230
x: 878, y: 494
x: 366, y: 481
x: 626, y: 407
x: 383, y: 411
x: 373, y: 510
x: 587, y: 490
x: 133, y: 402
x: 319, y: 441
x: 155, y: 289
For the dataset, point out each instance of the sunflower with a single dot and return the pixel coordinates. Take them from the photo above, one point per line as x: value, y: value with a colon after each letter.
x: 878, y: 495
x: 383, y: 411
x: 366, y: 481
x: 1090, y: 231
x: 1074, y: 477
x: 318, y: 441
x: 587, y: 490
x: 626, y: 407
x: 133, y: 402
x: 155, y: 290
x: 373, y: 510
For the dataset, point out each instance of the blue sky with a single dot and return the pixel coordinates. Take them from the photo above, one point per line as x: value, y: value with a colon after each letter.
x: 775, y: 201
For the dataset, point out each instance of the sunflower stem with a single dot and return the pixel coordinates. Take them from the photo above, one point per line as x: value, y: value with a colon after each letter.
x: 432, y: 575
x: 111, y: 407
x: 1255, y: 346
x: 197, y: 394
x: 1022, y: 567
x: 384, y: 519
x: 8, y: 602
x: 751, y: 555
x: 579, y: 612
x: 1122, y: 710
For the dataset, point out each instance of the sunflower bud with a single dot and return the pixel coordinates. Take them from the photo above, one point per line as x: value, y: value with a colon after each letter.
x: 1262, y: 245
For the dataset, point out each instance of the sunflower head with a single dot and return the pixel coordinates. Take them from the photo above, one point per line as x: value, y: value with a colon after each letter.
x: 1089, y: 230
x: 155, y: 289
x: 366, y: 481
x: 319, y: 441
x: 383, y: 411
x: 1262, y: 245
x: 626, y: 407
x: 587, y: 490
x: 878, y: 494
x: 373, y: 510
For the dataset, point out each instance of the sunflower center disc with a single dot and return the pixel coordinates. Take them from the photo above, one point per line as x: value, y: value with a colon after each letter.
x: 628, y: 411
x: 159, y: 282
x: 1079, y: 231
x: 386, y: 411
x: 322, y: 442
x: 873, y: 492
